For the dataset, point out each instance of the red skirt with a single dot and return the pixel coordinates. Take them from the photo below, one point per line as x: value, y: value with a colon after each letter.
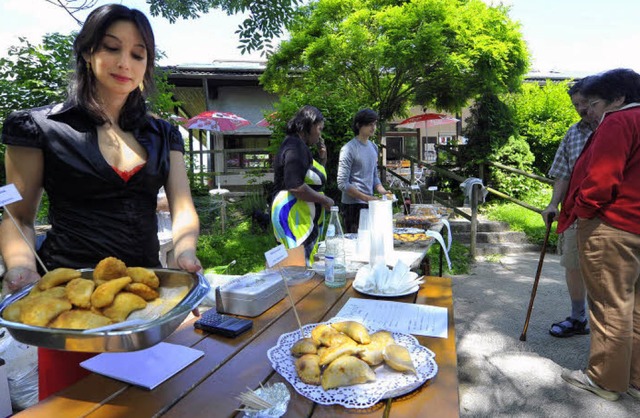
x: 59, y: 369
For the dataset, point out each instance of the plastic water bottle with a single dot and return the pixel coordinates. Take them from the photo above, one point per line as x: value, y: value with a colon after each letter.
x: 335, y: 261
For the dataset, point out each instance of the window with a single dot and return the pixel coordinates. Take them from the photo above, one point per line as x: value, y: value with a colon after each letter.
x: 246, y: 152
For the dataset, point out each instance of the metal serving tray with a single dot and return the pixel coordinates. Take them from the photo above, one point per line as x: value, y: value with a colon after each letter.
x: 180, y: 292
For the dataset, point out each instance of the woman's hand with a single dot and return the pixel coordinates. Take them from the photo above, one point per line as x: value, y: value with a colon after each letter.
x: 17, y: 278
x: 188, y: 261
x: 328, y: 202
x: 322, y: 152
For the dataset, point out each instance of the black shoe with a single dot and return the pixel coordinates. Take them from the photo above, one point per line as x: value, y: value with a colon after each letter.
x: 570, y: 327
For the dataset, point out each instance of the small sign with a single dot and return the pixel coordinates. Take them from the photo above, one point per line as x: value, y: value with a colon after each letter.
x: 276, y: 255
x: 9, y: 194
x: 432, y: 188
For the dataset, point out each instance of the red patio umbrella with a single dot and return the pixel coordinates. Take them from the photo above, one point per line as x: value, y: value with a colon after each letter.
x: 426, y: 119
x: 214, y: 120
x: 263, y: 123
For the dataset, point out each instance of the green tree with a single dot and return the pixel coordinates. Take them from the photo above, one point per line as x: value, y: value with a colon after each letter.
x: 35, y: 75
x: 389, y: 54
x: 542, y: 115
x: 266, y: 18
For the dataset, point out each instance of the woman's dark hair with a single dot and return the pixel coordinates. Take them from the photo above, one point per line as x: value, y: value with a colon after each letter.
x: 363, y: 117
x: 82, y: 88
x: 612, y: 84
x: 303, y: 120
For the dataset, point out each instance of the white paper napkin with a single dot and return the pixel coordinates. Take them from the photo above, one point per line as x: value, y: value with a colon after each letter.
x: 379, y: 279
x: 146, y: 368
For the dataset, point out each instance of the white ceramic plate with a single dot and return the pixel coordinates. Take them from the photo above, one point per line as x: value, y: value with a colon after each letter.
x: 388, y: 383
x: 408, y: 231
x: 386, y: 295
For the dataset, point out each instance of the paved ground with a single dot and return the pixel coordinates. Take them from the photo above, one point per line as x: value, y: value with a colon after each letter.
x: 501, y: 376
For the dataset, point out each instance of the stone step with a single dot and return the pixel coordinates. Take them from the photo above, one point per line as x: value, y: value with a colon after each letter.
x: 493, y: 237
x: 462, y: 225
x: 507, y: 237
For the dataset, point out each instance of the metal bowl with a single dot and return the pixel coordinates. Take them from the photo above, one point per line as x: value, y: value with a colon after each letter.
x: 180, y: 292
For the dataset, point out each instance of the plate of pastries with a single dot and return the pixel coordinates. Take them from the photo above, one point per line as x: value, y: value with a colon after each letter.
x: 410, y: 236
x: 344, y: 362
x: 68, y: 302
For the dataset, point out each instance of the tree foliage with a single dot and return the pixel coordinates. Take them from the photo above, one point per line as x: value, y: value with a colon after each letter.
x: 543, y: 114
x: 266, y: 20
x: 493, y: 136
x: 389, y: 54
x: 522, y: 130
x: 35, y: 75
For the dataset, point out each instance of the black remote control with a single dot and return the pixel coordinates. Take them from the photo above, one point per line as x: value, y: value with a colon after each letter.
x: 225, y: 325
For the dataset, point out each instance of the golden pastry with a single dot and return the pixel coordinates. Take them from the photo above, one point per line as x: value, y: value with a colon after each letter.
x: 39, y: 311
x: 384, y: 338
x: 304, y: 346
x: 370, y: 353
x: 355, y: 330
x: 398, y: 358
x: 80, y: 319
x: 326, y: 335
x: 12, y: 312
x: 123, y: 304
x: 57, y: 277
x: 308, y: 369
x: 106, y: 292
x: 79, y: 291
x: 336, y: 351
x: 143, y: 275
x: 346, y: 371
x: 142, y: 290
x: 321, y: 350
x: 109, y: 268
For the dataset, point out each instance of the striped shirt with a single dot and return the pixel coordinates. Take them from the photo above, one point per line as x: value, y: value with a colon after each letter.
x: 569, y: 151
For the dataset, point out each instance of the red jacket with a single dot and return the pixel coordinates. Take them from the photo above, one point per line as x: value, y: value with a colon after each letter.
x: 605, y: 182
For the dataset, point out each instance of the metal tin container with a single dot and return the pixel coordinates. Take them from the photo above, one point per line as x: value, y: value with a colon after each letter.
x: 180, y: 292
x: 251, y: 294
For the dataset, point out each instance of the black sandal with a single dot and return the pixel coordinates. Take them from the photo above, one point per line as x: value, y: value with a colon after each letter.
x: 570, y: 327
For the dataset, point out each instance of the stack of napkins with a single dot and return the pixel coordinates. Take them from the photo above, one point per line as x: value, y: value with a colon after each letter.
x: 380, y: 279
x: 147, y: 368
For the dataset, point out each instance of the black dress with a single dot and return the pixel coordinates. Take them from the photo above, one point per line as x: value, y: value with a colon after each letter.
x: 93, y: 212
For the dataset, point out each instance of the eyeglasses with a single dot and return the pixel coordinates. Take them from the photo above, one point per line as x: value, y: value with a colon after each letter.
x: 593, y: 103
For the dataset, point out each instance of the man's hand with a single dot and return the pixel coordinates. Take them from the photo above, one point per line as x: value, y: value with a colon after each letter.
x: 551, y: 209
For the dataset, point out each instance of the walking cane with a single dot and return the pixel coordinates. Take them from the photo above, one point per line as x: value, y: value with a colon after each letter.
x: 523, y: 336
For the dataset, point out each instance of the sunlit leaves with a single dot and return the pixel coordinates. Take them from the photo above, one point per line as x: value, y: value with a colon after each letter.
x: 267, y: 18
x: 437, y: 53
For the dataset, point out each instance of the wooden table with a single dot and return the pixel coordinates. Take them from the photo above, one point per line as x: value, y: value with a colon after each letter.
x: 207, y: 388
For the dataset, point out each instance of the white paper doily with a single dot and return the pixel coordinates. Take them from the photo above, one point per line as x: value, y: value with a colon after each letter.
x: 388, y: 383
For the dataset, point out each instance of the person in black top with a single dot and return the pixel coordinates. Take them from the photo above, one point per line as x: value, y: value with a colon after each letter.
x: 298, y: 204
x: 101, y: 159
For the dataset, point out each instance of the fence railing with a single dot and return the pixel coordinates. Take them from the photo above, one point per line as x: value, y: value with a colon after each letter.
x: 476, y: 191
